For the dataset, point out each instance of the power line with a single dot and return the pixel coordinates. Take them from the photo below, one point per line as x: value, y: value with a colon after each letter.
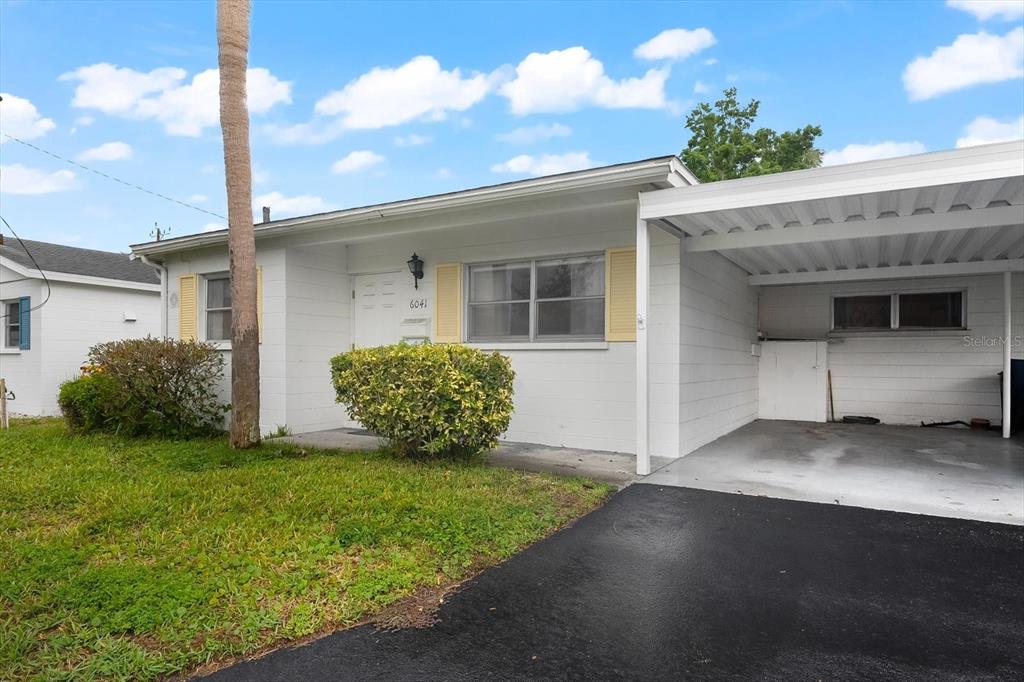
x: 33, y: 259
x: 115, y: 179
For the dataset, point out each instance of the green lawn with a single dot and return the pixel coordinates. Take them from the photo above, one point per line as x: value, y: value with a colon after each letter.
x: 136, y: 559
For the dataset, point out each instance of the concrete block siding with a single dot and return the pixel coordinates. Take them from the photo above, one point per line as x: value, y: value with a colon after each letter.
x: 926, y: 376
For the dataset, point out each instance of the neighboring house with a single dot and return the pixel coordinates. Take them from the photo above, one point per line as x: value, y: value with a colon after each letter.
x: 58, y: 306
x: 607, y: 284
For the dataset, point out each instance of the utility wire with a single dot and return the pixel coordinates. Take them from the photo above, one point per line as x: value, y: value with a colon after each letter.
x: 115, y: 179
x: 33, y: 259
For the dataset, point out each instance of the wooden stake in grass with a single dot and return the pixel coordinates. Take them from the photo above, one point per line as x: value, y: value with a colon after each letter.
x: 3, y: 403
x: 233, y: 57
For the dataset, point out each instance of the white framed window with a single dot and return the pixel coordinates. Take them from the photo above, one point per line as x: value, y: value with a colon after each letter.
x: 546, y: 299
x: 922, y: 310
x: 217, y: 308
x: 11, y: 325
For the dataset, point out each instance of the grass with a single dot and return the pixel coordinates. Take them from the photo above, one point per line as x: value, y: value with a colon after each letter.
x: 124, y: 559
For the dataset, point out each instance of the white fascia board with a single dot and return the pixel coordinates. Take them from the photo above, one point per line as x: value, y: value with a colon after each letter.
x: 879, y: 227
x: 71, y: 278
x: 986, y: 162
x: 891, y: 272
x: 645, y: 172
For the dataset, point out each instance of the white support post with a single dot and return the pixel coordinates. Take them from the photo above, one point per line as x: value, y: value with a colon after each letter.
x: 643, y: 282
x: 1007, y: 343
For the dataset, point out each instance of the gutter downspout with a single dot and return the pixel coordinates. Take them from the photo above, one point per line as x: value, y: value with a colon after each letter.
x: 162, y: 272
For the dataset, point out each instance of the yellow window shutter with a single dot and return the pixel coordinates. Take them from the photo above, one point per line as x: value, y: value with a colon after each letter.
x: 188, y: 308
x: 448, y: 303
x: 259, y: 301
x: 620, y: 295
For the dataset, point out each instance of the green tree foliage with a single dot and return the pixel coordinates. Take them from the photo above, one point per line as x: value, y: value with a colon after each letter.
x: 722, y: 146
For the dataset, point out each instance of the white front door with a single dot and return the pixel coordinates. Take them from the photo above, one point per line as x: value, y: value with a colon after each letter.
x: 792, y: 380
x: 375, y: 309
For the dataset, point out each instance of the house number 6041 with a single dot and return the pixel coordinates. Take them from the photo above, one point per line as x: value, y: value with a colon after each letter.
x: 417, y: 303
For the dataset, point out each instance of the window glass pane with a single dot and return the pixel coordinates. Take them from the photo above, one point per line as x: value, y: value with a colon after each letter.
x: 499, y: 282
x: 932, y: 310
x: 862, y: 312
x: 12, y: 339
x: 218, y: 293
x: 218, y: 325
x: 582, y: 317
x: 499, y: 320
x: 569, y: 277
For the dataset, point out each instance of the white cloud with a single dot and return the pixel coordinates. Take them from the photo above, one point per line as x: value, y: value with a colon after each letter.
x: 20, y: 118
x: 184, y: 108
x: 548, y: 164
x: 984, y: 10
x: 710, y: 61
x: 213, y: 227
x: 356, y: 161
x: 565, y: 80
x: 18, y: 179
x: 110, y: 151
x: 854, y: 153
x: 85, y: 121
x: 971, y: 59
x: 675, y: 43
x: 412, y: 140
x: 986, y: 130
x: 418, y: 89
x: 197, y: 198
x: 701, y: 88
x: 536, y: 133
x: 443, y: 173
x: 282, y: 206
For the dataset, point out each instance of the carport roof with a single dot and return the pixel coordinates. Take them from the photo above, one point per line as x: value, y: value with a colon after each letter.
x: 944, y: 213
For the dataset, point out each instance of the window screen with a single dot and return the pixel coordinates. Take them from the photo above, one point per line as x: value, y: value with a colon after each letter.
x: 218, y: 309
x: 12, y: 324
x: 552, y: 298
x: 934, y: 310
x: 570, y: 297
x: 499, y: 301
x: 862, y: 312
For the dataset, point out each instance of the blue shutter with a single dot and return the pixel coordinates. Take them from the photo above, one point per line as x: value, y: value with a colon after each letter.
x: 25, y: 320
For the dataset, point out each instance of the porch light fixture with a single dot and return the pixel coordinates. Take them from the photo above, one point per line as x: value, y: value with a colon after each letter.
x: 416, y: 268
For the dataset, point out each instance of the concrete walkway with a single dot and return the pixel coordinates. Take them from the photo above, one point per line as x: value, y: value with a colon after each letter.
x: 616, y: 468
x: 939, y: 471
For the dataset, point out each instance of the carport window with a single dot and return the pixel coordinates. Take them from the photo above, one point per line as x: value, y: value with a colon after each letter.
x: 917, y: 310
x: 548, y: 299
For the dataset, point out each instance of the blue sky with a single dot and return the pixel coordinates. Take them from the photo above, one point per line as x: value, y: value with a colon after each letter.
x: 361, y: 103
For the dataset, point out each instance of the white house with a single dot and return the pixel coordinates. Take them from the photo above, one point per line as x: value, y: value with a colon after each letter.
x: 57, y: 301
x: 645, y: 313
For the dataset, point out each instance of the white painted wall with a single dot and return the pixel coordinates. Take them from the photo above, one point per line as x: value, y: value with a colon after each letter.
x: 318, y: 312
x: 271, y: 256
x: 564, y: 397
x: 900, y: 379
x: 21, y: 368
x: 717, y: 373
x: 76, y: 317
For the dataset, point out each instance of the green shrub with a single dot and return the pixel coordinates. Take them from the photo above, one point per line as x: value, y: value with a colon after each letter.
x: 427, y: 400
x: 85, y: 401
x: 148, y: 387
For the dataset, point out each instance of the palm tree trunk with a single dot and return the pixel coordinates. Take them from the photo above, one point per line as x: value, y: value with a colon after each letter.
x: 233, y: 49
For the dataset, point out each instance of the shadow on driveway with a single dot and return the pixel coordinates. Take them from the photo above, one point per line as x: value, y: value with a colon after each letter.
x: 669, y: 583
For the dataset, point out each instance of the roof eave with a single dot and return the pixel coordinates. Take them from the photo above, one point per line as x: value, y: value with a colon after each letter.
x: 648, y: 171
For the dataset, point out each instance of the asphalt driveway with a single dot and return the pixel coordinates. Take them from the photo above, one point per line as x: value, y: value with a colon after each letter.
x: 676, y: 583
